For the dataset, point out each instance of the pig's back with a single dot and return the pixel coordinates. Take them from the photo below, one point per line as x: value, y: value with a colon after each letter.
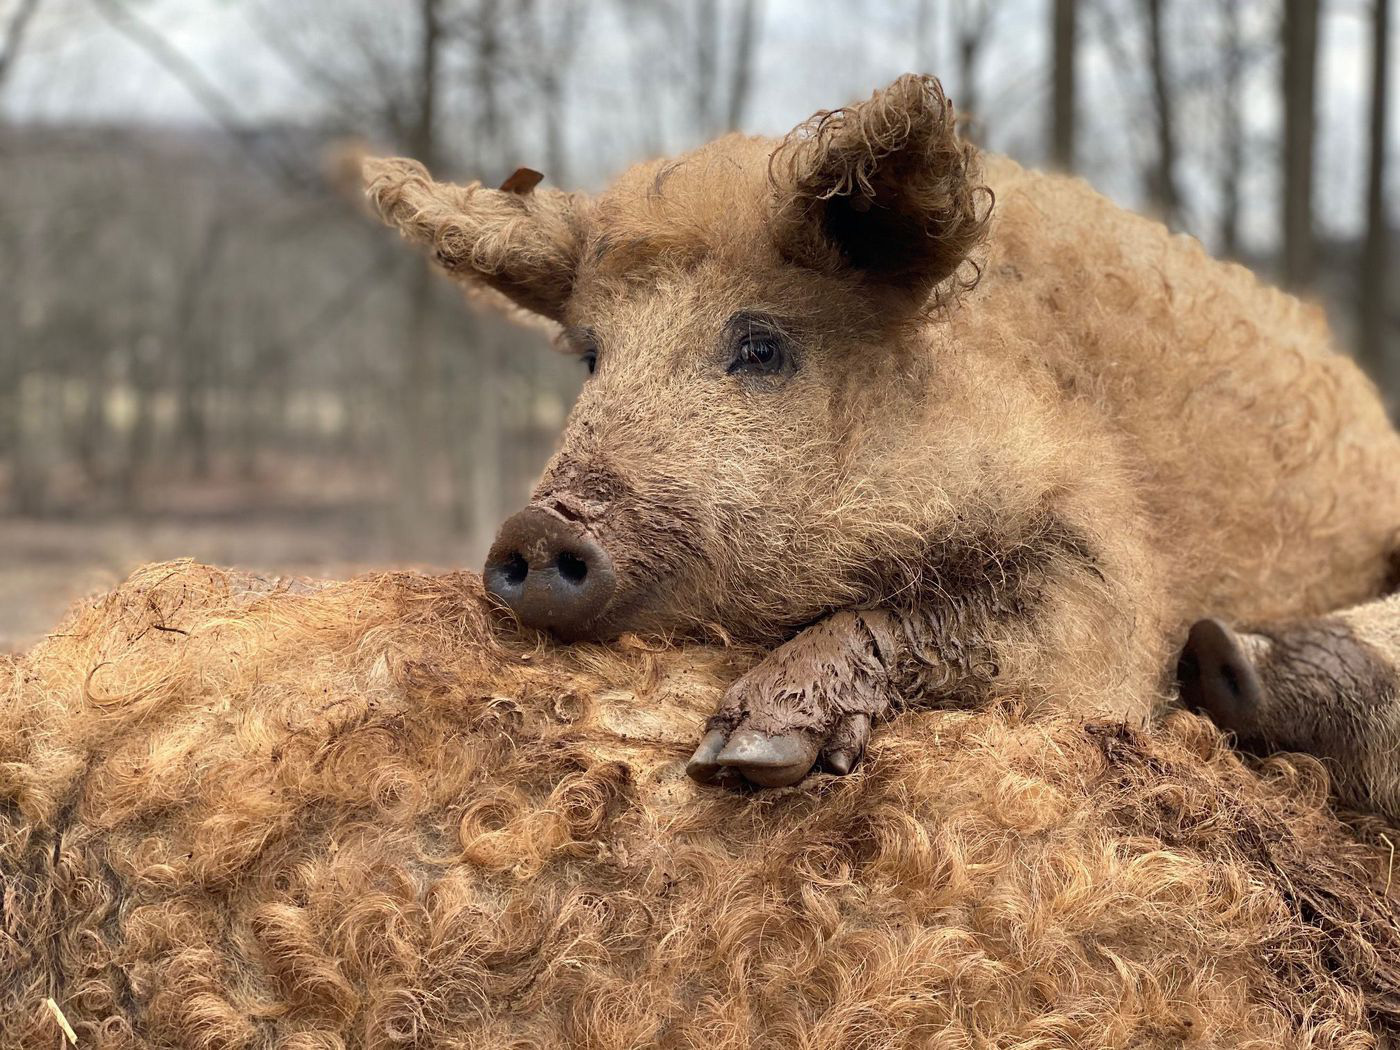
x: 1262, y: 458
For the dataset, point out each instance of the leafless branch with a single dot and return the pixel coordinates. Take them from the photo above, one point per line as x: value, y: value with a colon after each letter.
x: 14, y: 36
x: 212, y: 100
x: 745, y: 45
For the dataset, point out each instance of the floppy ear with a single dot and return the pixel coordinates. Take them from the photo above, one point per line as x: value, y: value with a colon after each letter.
x: 522, y: 242
x: 885, y: 188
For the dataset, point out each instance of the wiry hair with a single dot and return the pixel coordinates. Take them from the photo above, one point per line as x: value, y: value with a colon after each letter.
x: 885, y: 187
x: 524, y: 245
x: 238, y: 814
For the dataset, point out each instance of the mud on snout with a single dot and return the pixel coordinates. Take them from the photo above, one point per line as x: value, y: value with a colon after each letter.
x: 593, y: 555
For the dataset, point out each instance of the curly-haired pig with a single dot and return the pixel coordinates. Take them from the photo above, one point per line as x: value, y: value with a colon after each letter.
x: 935, y: 428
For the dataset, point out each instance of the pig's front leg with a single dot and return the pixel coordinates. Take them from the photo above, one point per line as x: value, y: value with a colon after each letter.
x: 813, y: 700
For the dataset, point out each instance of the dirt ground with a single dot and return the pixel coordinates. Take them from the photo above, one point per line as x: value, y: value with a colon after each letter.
x: 46, y: 564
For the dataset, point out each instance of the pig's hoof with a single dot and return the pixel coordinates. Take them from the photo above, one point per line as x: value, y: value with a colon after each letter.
x: 766, y: 761
x: 1217, y: 678
x: 704, y: 766
x: 779, y: 759
x: 770, y: 761
x: 846, y: 745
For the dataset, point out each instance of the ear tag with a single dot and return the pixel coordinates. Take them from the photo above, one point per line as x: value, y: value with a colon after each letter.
x: 522, y: 181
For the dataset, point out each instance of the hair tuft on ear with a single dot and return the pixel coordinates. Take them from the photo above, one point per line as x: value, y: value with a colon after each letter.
x: 524, y: 245
x: 884, y: 187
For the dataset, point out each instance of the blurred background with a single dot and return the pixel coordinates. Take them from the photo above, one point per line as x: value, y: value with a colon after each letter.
x: 206, y: 349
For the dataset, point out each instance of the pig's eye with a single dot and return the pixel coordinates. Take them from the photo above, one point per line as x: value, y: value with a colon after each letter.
x: 583, y: 344
x: 758, y: 346
x: 758, y: 353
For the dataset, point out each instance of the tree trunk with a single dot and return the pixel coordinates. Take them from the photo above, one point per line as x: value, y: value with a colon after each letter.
x: 1372, y: 280
x: 1166, y: 200
x: 1062, y: 115
x: 485, y: 449
x: 1231, y: 130
x: 416, y: 381
x: 13, y: 41
x: 741, y: 73
x: 89, y: 439
x: 140, y: 439
x: 16, y: 444
x: 553, y: 54
x: 1300, y: 22
x: 487, y: 62
x: 969, y: 56
x: 193, y: 349
x: 706, y: 40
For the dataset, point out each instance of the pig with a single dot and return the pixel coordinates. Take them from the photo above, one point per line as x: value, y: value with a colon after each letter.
x: 239, y: 813
x: 934, y: 428
x: 1327, y: 686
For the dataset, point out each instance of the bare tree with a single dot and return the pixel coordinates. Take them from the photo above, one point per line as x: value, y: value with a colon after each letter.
x: 1372, y: 279
x: 1062, y: 110
x: 418, y: 374
x: 721, y: 69
x: 1161, y: 182
x: 13, y: 39
x: 553, y: 30
x: 1232, y: 65
x: 972, y: 20
x: 219, y: 107
x: 192, y: 350
x: 1299, y: 67
x: 746, y: 41
x: 705, y: 42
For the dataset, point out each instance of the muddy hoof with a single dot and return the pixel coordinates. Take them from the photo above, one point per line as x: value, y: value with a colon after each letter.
x: 769, y: 761
x: 841, y: 762
x: 846, y: 745
x: 1217, y: 678
x: 704, y: 766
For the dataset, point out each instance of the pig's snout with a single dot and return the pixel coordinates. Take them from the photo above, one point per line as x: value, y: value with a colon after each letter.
x: 551, y: 572
x: 1217, y: 677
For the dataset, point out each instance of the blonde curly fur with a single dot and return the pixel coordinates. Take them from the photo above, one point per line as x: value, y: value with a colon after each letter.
x: 236, y: 813
x: 899, y: 153
x: 523, y: 245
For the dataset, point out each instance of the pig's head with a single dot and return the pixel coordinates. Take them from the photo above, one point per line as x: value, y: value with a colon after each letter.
x: 747, y: 314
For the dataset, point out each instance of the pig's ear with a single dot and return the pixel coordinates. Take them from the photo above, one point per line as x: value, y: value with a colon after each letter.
x: 521, y: 241
x: 885, y: 188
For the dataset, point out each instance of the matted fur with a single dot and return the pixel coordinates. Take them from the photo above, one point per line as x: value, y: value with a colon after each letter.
x: 237, y: 814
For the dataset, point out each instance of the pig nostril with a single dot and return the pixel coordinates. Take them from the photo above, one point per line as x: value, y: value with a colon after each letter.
x: 552, y: 573
x: 572, y: 568
x: 515, y: 569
